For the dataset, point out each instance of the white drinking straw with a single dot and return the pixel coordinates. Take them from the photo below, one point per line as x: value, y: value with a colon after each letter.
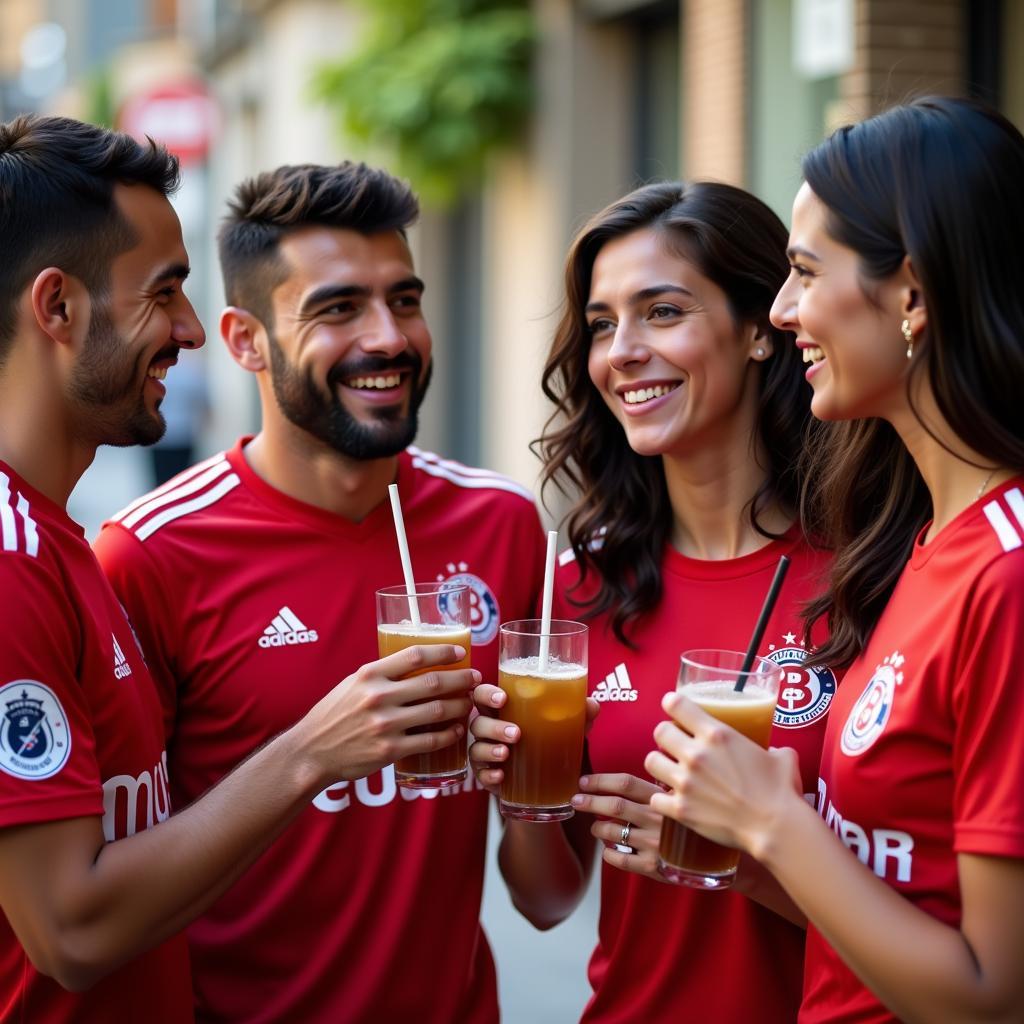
x: 549, y: 587
x: 403, y: 551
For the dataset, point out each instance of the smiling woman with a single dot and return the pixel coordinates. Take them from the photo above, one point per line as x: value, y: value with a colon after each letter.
x: 906, y: 291
x: 680, y: 413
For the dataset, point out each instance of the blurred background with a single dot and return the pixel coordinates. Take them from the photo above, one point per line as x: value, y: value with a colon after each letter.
x: 514, y: 120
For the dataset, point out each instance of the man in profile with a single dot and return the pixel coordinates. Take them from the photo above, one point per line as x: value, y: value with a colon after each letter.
x: 94, y: 870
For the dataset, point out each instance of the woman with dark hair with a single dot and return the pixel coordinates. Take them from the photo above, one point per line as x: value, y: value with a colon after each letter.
x: 906, y: 298
x: 679, y: 417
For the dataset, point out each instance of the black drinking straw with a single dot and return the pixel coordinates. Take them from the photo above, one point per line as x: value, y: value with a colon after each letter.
x: 762, y: 623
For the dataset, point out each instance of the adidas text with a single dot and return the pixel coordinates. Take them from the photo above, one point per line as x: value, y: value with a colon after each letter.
x: 622, y: 695
x: 301, y: 636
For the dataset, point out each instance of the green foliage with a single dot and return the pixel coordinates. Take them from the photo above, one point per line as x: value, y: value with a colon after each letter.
x: 440, y: 84
x: 99, y: 100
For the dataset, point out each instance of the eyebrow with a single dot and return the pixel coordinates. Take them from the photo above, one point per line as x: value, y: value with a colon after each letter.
x: 796, y: 250
x: 333, y: 292
x: 170, y: 272
x: 644, y: 295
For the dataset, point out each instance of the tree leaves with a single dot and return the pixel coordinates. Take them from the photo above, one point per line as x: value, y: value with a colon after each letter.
x: 440, y: 84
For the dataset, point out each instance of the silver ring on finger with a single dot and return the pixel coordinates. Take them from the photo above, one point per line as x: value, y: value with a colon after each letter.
x: 623, y: 844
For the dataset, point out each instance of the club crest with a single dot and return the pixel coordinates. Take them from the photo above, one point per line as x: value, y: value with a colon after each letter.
x: 483, y: 605
x: 806, y: 690
x: 34, y: 738
x: 869, y: 716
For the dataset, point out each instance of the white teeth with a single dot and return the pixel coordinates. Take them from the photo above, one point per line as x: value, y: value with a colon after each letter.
x: 157, y: 373
x: 392, y: 380
x: 646, y: 394
x: 813, y: 355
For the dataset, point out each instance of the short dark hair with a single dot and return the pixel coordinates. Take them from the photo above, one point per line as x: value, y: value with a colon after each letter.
x: 737, y: 242
x: 57, y: 207
x: 266, y: 208
x: 937, y: 180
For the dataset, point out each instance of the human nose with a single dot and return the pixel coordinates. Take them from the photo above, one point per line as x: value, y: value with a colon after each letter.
x: 383, y: 334
x: 186, y: 329
x: 626, y: 347
x: 783, y: 313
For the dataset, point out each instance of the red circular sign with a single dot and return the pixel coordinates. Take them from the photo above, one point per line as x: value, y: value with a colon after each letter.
x: 181, y: 115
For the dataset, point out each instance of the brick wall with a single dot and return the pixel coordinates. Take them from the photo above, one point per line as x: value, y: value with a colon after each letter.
x: 904, y: 47
x: 714, y: 89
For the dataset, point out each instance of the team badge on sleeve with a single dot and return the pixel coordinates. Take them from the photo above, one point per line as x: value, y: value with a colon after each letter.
x: 806, y: 690
x: 34, y: 738
x: 868, y: 717
x: 483, y: 605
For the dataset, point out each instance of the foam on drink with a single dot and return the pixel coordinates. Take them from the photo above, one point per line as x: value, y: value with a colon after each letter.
x: 426, y: 632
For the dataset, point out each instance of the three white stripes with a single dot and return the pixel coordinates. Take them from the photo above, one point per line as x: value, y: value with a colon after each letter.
x: 9, y: 523
x: 617, y: 680
x: 286, y: 621
x: 1005, y: 529
x: 170, y: 494
x: 464, y: 476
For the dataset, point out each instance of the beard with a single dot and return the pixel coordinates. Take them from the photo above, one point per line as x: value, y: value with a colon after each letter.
x: 324, y: 416
x: 106, y: 386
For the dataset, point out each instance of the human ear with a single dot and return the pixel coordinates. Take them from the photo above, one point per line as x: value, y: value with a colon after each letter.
x: 761, y: 344
x: 245, y: 338
x: 911, y: 298
x: 60, y: 305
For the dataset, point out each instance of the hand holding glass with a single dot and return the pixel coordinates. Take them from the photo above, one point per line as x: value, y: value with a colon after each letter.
x: 709, y: 679
x: 443, y: 619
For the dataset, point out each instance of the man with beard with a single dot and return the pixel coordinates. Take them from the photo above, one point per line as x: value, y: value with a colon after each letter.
x: 251, y: 578
x: 94, y: 870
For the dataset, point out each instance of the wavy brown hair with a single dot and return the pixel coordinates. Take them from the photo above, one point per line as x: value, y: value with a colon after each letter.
x: 737, y: 242
x: 938, y: 180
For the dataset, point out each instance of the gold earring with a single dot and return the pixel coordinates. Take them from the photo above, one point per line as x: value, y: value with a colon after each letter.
x: 908, y: 336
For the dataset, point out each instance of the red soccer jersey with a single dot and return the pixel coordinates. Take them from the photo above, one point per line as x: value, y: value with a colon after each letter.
x: 664, y: 952
x: 924, y: 756
x: 80, y: 735
x: 251, y: 606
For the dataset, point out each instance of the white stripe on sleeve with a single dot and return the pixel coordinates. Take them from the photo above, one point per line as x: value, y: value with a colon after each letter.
x: 1000, y: 522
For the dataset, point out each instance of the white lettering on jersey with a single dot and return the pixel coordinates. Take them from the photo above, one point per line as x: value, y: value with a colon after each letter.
x: 121, y: 667
x: 286, y: 630
x: 125, y: 790
x: 616, y: 686
x: 877, y: 850
x: 380, y: 789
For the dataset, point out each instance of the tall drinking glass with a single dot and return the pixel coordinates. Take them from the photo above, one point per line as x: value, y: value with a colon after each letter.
x: 549, y: 704
x: 444, y: 610
x: 709, y: 679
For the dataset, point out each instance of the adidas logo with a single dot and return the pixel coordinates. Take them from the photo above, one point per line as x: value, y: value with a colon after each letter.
x: 615, y: 687
x: 121, y: 667
x: 287, y: 629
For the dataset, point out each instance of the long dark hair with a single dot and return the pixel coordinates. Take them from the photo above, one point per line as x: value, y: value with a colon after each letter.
x: 938, y: 180
x: 737, y: 242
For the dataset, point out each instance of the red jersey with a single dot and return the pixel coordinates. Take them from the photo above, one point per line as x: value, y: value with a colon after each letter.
x: 80, y: 735
x: 924, y: 756
x: 251, y: 606
x: 664, y: 952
